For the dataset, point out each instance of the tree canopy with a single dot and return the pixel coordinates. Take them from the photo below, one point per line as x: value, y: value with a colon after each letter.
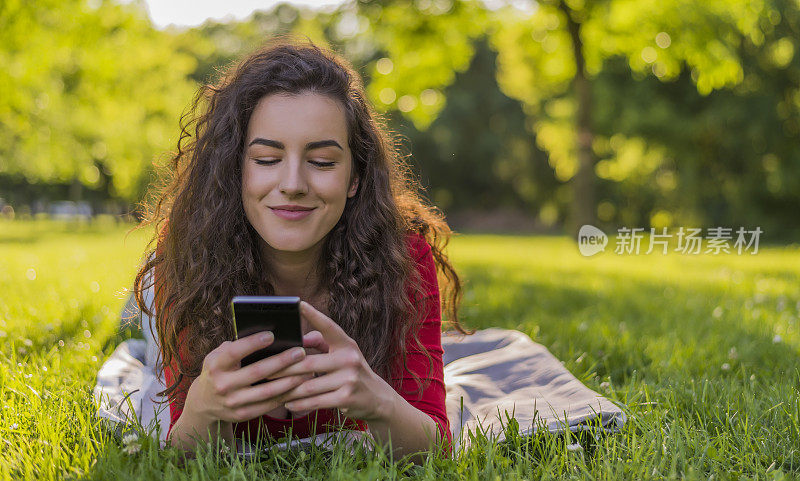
x: 613, y: 111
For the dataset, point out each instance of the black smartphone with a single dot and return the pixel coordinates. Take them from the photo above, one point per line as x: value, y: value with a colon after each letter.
x: 278, y: 314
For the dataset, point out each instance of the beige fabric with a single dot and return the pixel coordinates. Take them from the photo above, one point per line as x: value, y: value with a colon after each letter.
x: 496, y: 373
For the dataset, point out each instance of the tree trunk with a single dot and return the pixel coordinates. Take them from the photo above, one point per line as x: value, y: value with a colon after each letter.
x: 583, y: 183
x: 76, y: 190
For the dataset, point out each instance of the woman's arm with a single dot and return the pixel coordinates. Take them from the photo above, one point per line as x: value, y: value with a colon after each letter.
x: 192, y: 429
x: 223, y: 393
x: 423, y: 366
x: 351, y: 386
x: 187, y: 427
x: 407, y: 428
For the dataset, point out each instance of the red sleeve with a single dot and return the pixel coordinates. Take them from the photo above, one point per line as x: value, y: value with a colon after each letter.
x: 170, y: 374
x: 431, y: 398
x: 171, y: 369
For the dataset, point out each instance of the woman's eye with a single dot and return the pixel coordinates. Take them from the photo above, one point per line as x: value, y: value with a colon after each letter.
x: 274, y: 161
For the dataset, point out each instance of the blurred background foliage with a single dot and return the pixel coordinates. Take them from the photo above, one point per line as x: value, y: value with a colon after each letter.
x: 549, y: 115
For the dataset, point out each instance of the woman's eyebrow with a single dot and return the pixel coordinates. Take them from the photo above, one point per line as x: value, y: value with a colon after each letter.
x: 309, y: 146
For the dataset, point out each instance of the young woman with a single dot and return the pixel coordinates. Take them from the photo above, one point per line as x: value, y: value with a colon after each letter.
x: 286, y: 183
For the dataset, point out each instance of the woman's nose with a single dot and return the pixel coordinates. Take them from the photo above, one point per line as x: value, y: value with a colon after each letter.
x: 293, y: 181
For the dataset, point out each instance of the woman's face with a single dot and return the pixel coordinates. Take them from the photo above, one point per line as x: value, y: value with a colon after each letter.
x: 296, y: 154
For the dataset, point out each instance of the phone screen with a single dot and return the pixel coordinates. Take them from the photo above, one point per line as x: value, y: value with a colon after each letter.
x: 281, y: 315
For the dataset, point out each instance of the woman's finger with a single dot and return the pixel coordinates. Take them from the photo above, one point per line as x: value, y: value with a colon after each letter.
x: 254, y: 410
x: 314, y: 340
x: 229, y: 354
x: 272, y: 390
x: 331, y: 332
x: 313, y: 363
x: 328, y: 400
x: 314, y: 387
x: 265, y: 368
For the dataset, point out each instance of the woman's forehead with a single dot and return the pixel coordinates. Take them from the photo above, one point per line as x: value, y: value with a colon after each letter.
x: 303, y: 118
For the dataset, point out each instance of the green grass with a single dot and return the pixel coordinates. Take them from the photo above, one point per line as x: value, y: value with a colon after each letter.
x: 703, y: 350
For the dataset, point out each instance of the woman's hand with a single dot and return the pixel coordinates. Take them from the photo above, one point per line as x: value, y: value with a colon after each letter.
x: 346, y: 383
x: 223, y: 390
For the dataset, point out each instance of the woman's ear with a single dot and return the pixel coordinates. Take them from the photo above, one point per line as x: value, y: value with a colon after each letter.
x: 353, y: 187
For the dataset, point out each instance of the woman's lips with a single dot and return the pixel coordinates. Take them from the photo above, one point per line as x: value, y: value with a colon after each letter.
x: 292, y: 214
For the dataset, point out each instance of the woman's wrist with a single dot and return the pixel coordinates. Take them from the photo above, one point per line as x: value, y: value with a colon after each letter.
x: 202, y: 421
x: 199, y: 416
x: 386, y: 402
x: 409, y: 429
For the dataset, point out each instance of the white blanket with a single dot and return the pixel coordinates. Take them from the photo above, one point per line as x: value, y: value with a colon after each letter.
x: 491, y: 376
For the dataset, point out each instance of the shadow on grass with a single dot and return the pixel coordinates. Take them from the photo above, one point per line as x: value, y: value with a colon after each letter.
x: 624, y: 327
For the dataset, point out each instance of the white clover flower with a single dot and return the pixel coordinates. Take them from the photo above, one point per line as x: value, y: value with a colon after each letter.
x: 575, y: 447
x: 726, y: 367
x: 777, y: 339
x: 132, y: 448
x: 131, y: 444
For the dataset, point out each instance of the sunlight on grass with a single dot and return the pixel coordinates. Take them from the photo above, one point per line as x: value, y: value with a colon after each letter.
x: 704, y: 351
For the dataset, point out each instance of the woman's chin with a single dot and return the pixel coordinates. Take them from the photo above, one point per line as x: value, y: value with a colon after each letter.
x: 290, y: 244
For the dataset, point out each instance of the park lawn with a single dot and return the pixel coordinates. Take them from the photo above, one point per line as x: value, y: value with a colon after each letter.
x: 703, y: 350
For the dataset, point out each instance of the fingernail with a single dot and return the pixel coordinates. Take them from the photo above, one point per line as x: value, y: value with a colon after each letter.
x: 288, y: 405
x: 267, y: 336
x: 298, y: 353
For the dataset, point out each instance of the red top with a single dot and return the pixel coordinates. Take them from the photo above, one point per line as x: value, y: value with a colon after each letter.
x: 430, y: 399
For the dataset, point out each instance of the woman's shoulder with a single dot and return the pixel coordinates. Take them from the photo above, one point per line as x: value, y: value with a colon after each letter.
x: 417, y: 245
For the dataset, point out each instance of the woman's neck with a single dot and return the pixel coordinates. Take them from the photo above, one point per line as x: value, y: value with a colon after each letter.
x: 294, y: 273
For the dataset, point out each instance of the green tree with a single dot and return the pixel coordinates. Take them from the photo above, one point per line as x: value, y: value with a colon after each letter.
x: 478, y: 154
x: 215, y: 44
x: 549, y: 57
x: 731, y: 157
x: 422, y: 45
x: 92, y: 93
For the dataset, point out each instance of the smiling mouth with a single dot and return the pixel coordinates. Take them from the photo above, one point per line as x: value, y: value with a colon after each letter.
x: 294, y: 209
x: 294, y: 214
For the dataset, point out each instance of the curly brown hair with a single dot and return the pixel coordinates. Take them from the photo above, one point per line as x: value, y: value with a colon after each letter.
x: 209, y: 252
